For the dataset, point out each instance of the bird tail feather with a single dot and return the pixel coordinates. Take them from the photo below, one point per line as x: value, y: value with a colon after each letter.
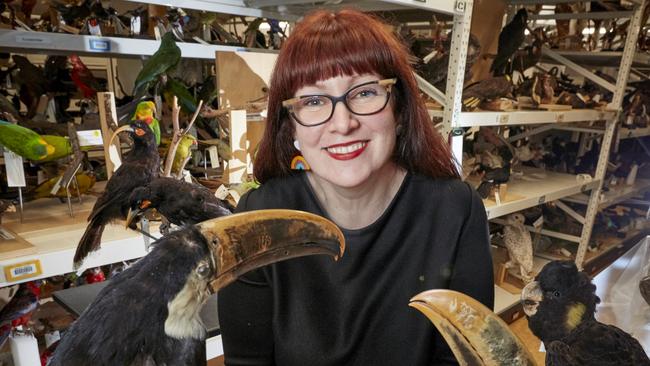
x: 90, y: 242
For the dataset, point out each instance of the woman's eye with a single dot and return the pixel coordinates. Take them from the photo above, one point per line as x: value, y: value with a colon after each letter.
x: 311, y: 102
x: 365, y: 93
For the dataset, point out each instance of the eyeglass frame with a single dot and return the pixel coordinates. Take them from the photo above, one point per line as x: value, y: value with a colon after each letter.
x: 388, y: 83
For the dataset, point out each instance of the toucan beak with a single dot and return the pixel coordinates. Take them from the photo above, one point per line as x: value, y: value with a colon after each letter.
x: 120, y: 130
x: 474, y: 333
x: 246, y: 241
x: 531, y: 296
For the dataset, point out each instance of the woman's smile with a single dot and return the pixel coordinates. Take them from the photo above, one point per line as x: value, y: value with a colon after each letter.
x: 346, y: 151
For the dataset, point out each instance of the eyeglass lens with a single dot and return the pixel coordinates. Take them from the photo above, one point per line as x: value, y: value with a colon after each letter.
x: 362, y: 100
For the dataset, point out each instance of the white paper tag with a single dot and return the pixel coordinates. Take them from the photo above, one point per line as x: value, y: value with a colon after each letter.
x: 221, y: 193
x: 57, y: 186
x: 114, y: 156
x: 235, y: 195
x: 90, y: 138
x: 187, y: 176
x: 15, y: 171
x: 50, y: 111
x: 214, y: 156
x: 135, y: 25
x: 541, y: 347
x: 539, y: 222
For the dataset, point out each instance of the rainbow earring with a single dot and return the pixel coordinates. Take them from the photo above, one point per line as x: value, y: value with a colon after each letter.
x: 298, y: 162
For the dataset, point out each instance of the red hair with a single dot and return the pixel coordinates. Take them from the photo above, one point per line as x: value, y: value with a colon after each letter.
x: 325, y: 45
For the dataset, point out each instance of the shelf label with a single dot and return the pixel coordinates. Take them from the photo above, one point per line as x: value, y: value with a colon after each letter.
x: 459, y: 6
x: 90, y: 138
x: 99, y: 45
x: 542, y: 199
x: 23, y: 270
x: 503, y: 118
x: 559, y: 117
x: 33, y: 39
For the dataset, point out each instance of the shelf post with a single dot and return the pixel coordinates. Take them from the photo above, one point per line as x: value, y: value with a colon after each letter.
x: 456, y: 75
x: 617, y: 100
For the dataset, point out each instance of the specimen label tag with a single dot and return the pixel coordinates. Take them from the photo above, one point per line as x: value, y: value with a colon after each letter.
x: 23, y: 270
x: 90, y: 138
x: 14, y: 167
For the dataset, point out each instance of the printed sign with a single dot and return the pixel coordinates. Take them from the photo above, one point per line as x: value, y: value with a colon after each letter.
x: 23, y: 270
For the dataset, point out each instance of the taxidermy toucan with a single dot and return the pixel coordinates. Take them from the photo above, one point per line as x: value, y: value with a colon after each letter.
x: 149, y: 314
x: 474, y: 333
x: 560, y: 306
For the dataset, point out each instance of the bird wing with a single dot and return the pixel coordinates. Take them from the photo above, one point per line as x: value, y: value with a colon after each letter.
x: 605, y: 345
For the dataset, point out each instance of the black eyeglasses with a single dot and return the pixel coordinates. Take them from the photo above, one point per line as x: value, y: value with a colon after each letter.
x: 363, y: 100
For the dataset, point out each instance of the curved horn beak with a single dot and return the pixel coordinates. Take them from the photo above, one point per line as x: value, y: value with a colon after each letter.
x: 246, y: 241
x: 132, y: 215
x: 531, y: 296
x: 474, y: 333
x: 120, y: 130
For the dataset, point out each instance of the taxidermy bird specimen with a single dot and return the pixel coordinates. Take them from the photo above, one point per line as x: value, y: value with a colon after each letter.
x: 161, y: 62
x: 146, y: 111
x: 473, y: 332
x: 487, y: 89
x: 519, y: 244
x: 149, y: 314
x: 18, y: 311
x: 510, y: 39
x: 560, y: 306
x: 24, y: 142
x: 138, y: 168
x: 181, y: 203
x: 183, y: 152
x: 83, y: 78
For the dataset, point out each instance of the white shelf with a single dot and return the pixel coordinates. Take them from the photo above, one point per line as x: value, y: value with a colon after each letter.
x: 627, y: 133
x: 616, y: 194
x: 537, y: 186
x: 54, y: 234
x: 61, y: 43
x: 488, y: 118
x: 504, y: 300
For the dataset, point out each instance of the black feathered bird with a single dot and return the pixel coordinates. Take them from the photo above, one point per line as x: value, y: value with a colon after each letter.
x: 510, y: 39
x: 560, y: 306
x: 179, y: 202
x: 149, y: 314
x: 139, y: 167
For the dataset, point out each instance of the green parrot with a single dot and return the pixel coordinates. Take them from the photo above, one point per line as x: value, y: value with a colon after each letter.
x: 185, y: 100
x: 165, y: 59
x: 24, y: 142
x: 62, y: 147
x: 182, y: 152
x: 146, y: 111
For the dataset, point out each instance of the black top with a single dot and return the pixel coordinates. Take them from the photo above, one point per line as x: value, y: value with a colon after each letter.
x: 315, y: 311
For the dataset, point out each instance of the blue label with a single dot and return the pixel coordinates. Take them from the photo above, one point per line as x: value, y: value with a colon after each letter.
x: 100, y: 45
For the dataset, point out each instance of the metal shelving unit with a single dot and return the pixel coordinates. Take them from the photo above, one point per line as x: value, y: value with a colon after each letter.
x: 521, y: 117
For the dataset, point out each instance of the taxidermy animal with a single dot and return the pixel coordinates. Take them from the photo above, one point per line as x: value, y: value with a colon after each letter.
x: 474, y: 333
x: 139, y: 167
x: 24, y: 142
x: 181, y: 203
x: 519, y: 244
x: 164, y: 60
x: 149, y: 313
x: 510, y: 39
x: 560, y: 306
x: 146, y: 111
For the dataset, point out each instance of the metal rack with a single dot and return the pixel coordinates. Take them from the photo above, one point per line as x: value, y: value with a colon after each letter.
x: 454, y: 119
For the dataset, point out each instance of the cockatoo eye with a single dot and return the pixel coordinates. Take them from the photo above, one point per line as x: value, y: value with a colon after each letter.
x: 203, y: 270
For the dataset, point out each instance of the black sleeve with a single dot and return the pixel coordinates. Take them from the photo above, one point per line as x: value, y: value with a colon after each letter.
x: 472, y: 273
x: 245, y: 317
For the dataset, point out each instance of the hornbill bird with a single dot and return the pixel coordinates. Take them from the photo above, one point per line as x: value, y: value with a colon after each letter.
x: 510, y: 38
x: 560, y: 306
x: 149, y: 314
x: 181, y: 203
x: 139, y: 167
x: 473, y: 332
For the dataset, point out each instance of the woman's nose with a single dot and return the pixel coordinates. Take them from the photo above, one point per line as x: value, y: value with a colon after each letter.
x: 343, y: 121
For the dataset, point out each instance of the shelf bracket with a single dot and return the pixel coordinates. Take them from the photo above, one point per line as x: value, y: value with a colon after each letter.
x: 564, y: 207
x: 431, y: 90
x: 579, y: 69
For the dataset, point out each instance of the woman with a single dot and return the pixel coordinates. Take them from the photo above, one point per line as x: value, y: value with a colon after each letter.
x: 344, y: 96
